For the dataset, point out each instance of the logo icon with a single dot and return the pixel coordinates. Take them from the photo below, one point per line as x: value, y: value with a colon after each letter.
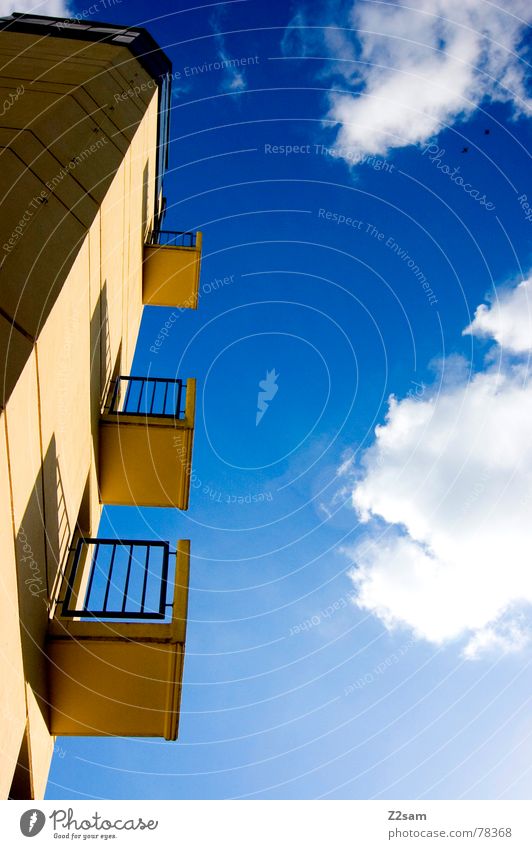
x: 269, y: 389
x: 32, y: 822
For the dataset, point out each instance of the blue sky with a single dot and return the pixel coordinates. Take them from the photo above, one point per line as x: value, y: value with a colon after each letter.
x: 304, y: 679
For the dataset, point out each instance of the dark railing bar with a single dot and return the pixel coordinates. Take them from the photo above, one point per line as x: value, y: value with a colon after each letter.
x: 115, y: 395
x: 179, y: 393
x: 176, y: 232
x: 128, y: 391
x: 109, y: 578
x: 145, y: 582
x: 153, y: 399
x: 122, y: 542
x: 152, y: 379
x: 115, y: 614
x: 164, y: 580
x: 165, y: 396
x: 157, y: 232
x: 92, y: 572
x: 68, y: 591
x: 128, y: 574
x: 140, y: 394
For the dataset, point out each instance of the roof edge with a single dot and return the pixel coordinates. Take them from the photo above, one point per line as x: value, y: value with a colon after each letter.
x: 137, y: 39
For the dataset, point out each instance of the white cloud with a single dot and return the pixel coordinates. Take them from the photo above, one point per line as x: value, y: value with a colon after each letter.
x: 294, y: 41
x: 236, y: 81
x: 421, y: 65
x: 446, y: 493
x: 234, y: 78
x: 507, y: 637
x: 508, y: 320
x: 54, y: 8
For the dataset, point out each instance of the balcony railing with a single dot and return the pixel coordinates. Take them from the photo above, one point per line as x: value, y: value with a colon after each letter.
x: 126, y: 579
x: 148, y: 396
x: 116, y: 642
x: 173, y: 238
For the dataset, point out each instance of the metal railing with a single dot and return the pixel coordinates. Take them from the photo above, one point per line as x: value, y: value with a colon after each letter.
x: 173, y: 238
x: 118, y: 579
x: 148, y: 396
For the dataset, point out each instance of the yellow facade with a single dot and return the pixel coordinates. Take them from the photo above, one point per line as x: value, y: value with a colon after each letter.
x: 79, y: 200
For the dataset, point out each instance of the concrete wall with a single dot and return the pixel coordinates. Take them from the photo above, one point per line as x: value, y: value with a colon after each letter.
x: 71, y: 303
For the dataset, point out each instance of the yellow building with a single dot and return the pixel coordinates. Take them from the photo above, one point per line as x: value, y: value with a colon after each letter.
x: 92, y: 631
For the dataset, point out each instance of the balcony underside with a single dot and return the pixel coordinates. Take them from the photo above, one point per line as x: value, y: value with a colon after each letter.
x: 119, y: 678
x: 171, y: 275
x: 145, y: 458
x: 105, y: 686
x: 144, y: 464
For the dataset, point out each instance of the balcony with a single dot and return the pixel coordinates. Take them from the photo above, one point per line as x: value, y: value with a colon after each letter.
x: 146, y: 436
x: 171, y: 269
x: 116, y: 644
